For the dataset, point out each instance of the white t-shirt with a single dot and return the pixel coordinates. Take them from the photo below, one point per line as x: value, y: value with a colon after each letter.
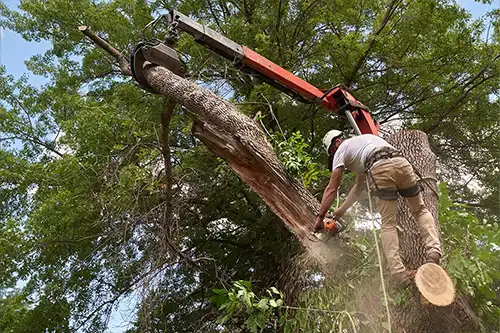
x: 352, y: 153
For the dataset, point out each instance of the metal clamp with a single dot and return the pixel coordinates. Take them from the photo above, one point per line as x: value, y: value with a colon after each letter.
x: 154, y: 53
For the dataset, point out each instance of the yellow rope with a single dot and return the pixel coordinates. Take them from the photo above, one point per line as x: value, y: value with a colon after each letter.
x: 386, y: 299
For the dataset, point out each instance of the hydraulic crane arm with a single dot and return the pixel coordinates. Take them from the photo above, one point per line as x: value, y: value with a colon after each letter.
x: 338, y: 99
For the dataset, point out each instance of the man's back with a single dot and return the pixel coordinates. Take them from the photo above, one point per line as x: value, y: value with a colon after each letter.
x: 352, y: 153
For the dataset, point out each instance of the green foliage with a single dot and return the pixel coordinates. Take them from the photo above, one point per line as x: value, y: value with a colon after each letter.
x: 345, y: 301
x: 240, y: 300
x: 402, y: 297
x: 297, y: 160
x: 472, y: 255
x: 269, y: 312
x: 84, y: 218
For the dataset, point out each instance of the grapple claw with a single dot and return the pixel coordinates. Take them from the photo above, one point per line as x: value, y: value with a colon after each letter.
x: 154, y: 53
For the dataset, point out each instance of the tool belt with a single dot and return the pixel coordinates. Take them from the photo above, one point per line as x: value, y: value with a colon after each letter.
x: 389, y: 194
x: 381, y: 154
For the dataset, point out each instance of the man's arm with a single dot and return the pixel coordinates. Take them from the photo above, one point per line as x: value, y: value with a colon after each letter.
x: 331, y: 191
x: 353, y: 195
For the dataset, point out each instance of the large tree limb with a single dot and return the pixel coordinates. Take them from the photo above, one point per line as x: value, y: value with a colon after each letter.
x: 247, y: 151
x: 122, y: 61
x: 237, y: 139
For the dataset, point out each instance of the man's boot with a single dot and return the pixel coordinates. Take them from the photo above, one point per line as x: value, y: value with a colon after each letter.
x: 434, y: 258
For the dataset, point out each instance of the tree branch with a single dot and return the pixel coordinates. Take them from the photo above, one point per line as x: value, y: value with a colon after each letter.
x: 371, y: 43
x: 35, y: 141
x: 122, y: 61
x: 453, y: 107
x: 212, y: 12
x: 156, y: 270
x: 166, y: 117
x: 471, y: 204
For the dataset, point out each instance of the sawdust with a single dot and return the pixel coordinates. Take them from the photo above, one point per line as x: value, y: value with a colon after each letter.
x: 323, y: 268
x: 325, y: 252
x: 368, y: 302
x: 331, y: 253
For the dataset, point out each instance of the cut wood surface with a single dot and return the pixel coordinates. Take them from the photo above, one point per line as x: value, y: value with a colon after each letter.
x: 435, y: 285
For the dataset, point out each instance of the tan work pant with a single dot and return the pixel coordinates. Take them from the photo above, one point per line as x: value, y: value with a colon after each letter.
x: 397, y: 173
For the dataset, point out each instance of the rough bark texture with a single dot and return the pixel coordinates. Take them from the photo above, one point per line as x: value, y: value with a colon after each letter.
x: 240, y: 141
x: 415, y: 317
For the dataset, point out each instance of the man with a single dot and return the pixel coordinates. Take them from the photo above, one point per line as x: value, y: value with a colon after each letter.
x: 391, y: 175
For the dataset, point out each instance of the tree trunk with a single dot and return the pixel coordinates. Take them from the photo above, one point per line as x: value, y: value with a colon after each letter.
x: 241, y: 142
x: 414, y: 316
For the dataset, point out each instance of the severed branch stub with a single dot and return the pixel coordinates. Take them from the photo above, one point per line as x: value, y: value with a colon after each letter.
x: 122, y: 61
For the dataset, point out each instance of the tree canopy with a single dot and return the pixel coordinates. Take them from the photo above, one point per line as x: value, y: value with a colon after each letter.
x: 97, y: 205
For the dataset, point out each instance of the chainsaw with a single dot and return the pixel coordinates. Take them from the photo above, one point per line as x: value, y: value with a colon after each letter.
x: 332, y: 226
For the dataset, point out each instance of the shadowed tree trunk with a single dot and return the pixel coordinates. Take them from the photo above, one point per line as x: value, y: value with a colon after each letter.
x: 415, y: 317
x: 240, y: 141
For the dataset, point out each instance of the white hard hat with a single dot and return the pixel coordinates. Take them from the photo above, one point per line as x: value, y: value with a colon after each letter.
x: 327, y: 139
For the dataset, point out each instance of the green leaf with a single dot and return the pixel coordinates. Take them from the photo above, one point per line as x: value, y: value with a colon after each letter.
x: 223, y: 319
x: 274, y: 290
x: 261, y: 319
x: 246, y: 284
x: 262, y: 305
x: 220, y: 291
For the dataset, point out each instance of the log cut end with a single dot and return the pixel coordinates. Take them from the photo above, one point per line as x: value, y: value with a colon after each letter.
x: 435, y: 285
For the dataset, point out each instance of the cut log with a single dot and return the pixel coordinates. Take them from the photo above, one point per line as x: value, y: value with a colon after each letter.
x: 435, y: 285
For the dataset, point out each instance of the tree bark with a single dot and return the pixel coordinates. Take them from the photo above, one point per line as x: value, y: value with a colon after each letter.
x: 415, y: 317
x: 240, y: 141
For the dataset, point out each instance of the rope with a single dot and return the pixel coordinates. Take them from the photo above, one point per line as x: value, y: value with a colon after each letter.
x: 379, y: 257
x: 424, y: 180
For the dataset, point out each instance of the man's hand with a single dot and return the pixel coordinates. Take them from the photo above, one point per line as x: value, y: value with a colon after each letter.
x: 318, y: 225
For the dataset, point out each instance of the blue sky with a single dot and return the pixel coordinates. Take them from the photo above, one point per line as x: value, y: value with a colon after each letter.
x: 14, y: 51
